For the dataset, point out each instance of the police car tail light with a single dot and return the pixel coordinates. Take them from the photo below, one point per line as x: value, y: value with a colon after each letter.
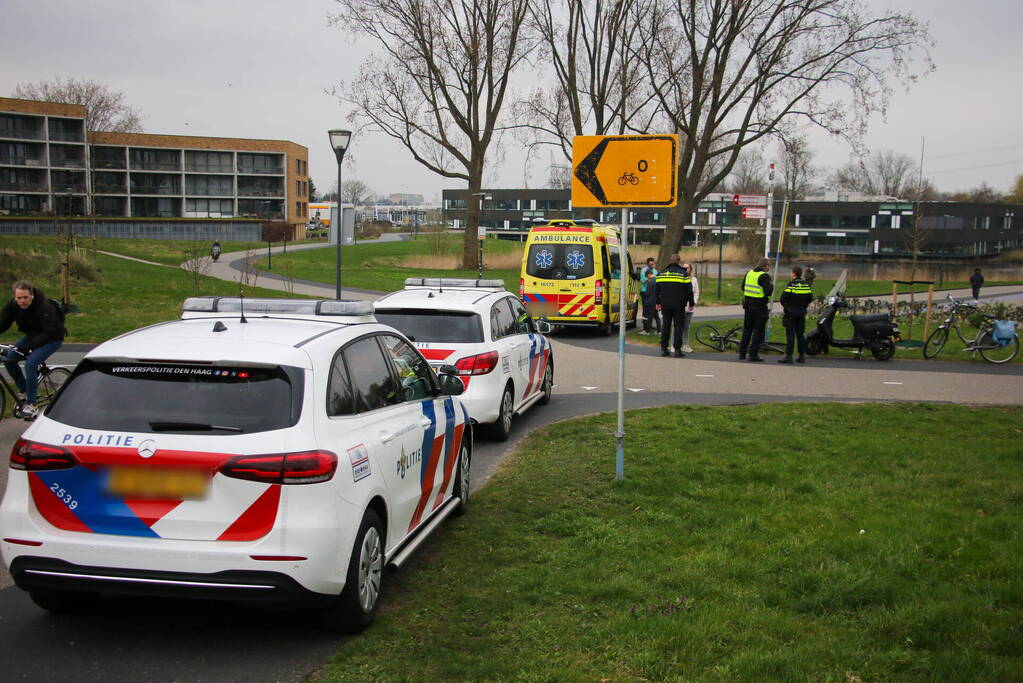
x: 598, y: 296
x: 306, y: 467
x: 34, y: 457
x: 480, y: 364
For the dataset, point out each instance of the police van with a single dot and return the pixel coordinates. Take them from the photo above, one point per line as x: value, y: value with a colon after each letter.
x: 571, y: 275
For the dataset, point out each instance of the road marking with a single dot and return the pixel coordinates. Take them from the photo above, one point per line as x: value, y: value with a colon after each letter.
x: 893, y: 382
x: 590, y: 388
x: 704, y: 375
x: 634, y: 390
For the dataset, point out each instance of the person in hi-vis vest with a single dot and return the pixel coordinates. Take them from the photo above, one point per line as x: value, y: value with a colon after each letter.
x: 756, y: 289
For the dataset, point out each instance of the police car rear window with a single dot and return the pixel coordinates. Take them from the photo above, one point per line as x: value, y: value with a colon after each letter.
x: 180, y: 398
x: 427, y: 325
x: 560, y: 261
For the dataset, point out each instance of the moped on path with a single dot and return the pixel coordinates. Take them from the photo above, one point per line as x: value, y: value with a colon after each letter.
x: 875, y: 333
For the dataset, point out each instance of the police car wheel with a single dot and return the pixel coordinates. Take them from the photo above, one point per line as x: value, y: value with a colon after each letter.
x: 462, y: 479
x: 64, y: 602
x: 356, y: 607
x: 500, y: 430
x: 547, y: 388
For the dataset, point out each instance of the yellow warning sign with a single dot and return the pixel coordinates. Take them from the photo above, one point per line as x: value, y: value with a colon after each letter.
x: 624, y: 170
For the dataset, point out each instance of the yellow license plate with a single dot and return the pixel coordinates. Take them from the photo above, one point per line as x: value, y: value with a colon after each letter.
x: 155, y: 483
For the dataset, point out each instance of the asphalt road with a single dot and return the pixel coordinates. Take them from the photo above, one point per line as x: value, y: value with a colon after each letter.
x: 136, y: 639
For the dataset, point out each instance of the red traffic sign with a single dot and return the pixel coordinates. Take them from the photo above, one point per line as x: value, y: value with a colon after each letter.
x: 754, y: 212
x: 749, y: 199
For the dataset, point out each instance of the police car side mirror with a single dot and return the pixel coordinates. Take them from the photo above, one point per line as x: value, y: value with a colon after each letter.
x: 450, y: 384
x: 543, y: 327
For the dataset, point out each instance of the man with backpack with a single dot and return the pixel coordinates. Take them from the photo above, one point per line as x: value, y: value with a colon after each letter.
x: 42, y: 323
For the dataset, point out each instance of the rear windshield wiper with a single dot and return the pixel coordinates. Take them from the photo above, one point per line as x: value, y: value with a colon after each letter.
x: 191, y: 426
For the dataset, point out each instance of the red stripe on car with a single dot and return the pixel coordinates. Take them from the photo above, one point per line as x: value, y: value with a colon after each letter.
x: 258, y: 520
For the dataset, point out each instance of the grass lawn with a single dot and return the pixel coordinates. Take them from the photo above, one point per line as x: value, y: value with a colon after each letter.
x: 843, y: 329
x: 126, y: 294
x: 802, y: 542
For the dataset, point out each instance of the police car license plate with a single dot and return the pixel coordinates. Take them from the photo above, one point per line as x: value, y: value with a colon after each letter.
x: 157, y: 483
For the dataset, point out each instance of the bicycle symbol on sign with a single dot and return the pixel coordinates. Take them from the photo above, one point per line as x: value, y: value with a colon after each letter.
x: 629, y: 177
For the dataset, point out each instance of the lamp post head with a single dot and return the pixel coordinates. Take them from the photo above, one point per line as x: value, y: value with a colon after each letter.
x: 339, y: 140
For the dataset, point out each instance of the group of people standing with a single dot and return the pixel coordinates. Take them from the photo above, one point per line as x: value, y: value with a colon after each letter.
x: 674, y: 292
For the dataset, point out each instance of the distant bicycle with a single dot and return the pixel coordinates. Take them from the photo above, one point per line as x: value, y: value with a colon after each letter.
x: 984, y: 343
x: 709, y: 336
x: 50, y: 382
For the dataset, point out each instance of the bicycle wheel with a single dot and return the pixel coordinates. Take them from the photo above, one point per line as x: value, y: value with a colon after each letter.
x: 935, y: 342
x: 49, y: 384
x: 993, y: 353
x: 708, y: 336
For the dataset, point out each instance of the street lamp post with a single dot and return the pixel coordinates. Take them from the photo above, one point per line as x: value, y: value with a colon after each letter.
x: 479, y: 228
x: 339, y: 140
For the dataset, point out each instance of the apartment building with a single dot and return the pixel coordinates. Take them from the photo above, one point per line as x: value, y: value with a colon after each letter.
x: 50, y: 165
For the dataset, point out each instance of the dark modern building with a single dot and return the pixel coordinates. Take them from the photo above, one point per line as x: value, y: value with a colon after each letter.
x: 857, y: 228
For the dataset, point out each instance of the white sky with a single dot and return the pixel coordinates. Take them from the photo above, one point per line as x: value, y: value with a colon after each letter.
x: 255, y: 68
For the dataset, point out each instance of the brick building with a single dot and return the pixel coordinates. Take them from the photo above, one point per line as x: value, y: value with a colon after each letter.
x: 50, y: 165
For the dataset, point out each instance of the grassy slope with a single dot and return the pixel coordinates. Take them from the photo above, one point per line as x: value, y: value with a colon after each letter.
x: 779, y: 542
x: 127, y: 294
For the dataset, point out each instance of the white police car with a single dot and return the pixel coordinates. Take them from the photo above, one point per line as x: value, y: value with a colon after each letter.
x: 507, y: 365
x: 276, y: 451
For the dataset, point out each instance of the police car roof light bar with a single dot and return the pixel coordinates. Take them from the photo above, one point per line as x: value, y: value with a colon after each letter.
x: 441, y: 282
x: 325, y: 307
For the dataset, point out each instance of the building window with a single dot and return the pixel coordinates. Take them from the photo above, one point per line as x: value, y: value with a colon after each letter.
x: 209, y: 208
x: 260, y: 163
x: 23, y: 127
x: 215, y: 185
x: 155, y: 183
x: 109, y: 157
x: 209, y: 162
x: 155, y: 159
x: 260, y: 187
x: 67, y: 130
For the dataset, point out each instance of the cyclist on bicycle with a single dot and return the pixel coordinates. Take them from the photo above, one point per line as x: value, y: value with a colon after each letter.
x: 43, y: 328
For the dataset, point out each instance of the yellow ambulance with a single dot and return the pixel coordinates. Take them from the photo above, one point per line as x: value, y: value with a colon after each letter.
x: 571, y: 275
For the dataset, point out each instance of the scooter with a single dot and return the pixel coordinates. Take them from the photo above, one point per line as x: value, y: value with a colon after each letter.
x: 876, y: 333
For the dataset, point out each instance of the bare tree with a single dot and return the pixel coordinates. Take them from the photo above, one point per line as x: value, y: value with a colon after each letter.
x: 105, y: 108
x: 1015, y: 195
x: 440, y: 86
x: 598, y: 88
x: 749, y: 175
x: 886, y: 172
x: 797, y: 171
x: 355, y: 192
x: 728, y: 73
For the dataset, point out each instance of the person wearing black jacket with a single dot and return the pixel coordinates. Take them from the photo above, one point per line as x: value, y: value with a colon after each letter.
x: 674, y: 293
x: 795, y: 299
x: 757, y: 289
x: 976, y: 282
x: 43, y: 329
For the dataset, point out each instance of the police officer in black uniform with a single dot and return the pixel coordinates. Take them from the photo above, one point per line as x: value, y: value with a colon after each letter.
x: 757, y: 289
x: 795, y: 298
x: 674, y: 293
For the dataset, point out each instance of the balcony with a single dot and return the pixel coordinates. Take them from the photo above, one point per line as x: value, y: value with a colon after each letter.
x: 66, y: 136
x: 209, y: 168
x: 154, y: 189
x: 155, y: 166
x: 261, y: 170
x: 102, y: 188
x: 23, y: 187
x: 67, y: 162
x: 258, y: 192
x: 21, y: 133
x: 109, y: 163
x: 21, y: 161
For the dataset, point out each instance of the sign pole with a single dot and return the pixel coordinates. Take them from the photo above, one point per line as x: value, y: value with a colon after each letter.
x: 721, y: 237
x: 622, y: 309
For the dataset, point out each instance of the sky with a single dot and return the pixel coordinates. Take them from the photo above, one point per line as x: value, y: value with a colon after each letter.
x: 260, y: 69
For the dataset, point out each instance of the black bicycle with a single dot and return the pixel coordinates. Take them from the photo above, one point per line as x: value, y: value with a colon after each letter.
x: 709, y: 336
x: 50, y: 382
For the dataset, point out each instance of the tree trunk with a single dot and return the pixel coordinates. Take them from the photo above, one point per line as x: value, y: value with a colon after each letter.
x: 671, y: 243
x: 470, y: 242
